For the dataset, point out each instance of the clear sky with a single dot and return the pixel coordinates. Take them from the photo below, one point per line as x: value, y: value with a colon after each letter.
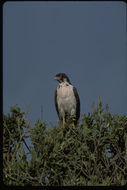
x: 85, y: 40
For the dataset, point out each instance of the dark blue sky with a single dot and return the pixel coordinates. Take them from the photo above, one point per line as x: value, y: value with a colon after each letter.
x: 86, y: 40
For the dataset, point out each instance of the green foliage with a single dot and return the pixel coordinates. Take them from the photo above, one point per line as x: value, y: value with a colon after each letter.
x: 93, y: 153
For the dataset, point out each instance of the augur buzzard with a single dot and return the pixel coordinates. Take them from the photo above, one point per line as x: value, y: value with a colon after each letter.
x: 67, y: 100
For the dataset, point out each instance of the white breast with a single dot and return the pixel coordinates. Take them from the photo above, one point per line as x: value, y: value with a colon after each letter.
x: 66, y: 99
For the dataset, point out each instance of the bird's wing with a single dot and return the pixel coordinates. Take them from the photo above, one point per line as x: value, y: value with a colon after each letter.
x: 77, y: 103
x: 56, y: 104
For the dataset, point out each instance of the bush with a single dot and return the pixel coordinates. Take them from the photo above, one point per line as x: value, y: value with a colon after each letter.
x: 93, y: 153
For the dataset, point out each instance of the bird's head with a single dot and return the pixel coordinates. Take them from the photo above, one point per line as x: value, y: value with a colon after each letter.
x: 62, y: 77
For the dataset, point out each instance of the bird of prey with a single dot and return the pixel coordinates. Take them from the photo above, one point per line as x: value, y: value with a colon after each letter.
x: 67, y: 100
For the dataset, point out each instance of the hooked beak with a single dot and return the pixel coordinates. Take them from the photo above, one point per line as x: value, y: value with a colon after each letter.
x: 56, y: 78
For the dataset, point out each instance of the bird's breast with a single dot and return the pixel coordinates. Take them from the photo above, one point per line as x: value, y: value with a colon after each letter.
x: 65, y: 92
x: 65, y: 98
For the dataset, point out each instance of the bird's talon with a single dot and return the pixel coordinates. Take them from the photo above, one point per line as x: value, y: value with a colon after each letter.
x: 64, y: 123
x: 73, y: 125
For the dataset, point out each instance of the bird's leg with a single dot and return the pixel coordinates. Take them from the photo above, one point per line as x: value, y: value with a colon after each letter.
x: 72, y: 120
x: 64, y: 123
x: 73, y: 125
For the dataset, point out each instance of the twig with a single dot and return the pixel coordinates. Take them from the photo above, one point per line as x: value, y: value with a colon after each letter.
x: 25, y: 144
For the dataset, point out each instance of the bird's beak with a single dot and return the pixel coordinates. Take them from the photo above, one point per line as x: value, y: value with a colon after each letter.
x: 56, y: 78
